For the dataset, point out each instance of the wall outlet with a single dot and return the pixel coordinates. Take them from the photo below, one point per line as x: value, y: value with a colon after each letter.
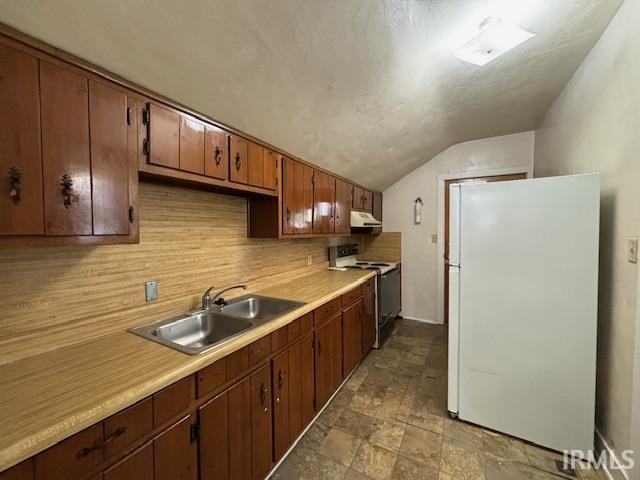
x: 151, y: 291
x: 434, y: 238
x: 309, y: 259
x: 632, y: 250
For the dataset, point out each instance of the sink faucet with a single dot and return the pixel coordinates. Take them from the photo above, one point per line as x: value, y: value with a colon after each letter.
x: 207, y: 300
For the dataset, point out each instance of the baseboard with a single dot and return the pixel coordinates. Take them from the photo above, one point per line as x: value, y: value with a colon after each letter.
x: 615, y: 472
x: 423, y: 320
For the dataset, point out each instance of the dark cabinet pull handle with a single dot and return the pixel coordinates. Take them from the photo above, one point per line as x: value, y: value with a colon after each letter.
x: 66, y: 182
x: 99, y: 446
x: 15, y: 184
x: 263, y: 393
x: 218, y: 154
x: 319, y: 347
x: 280, y: 379
x: 238, y: 161
x: 288, y: 214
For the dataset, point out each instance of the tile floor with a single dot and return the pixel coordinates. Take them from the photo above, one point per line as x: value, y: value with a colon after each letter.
x: 389, y: 421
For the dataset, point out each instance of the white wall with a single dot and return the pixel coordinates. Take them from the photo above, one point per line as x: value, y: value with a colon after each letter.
x: 420, y: 257
x: 594, y: 125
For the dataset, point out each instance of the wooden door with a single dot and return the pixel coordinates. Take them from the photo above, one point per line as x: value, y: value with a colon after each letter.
x: 137, y: 465
x: 281, y: 404
x: 297, y: 198
x: 367, y: 200
x: 351, y: 337
x: 21, y: 207
x: 301, y: 385
x: 238, y: 150
x: 163, y: 137
x: 342, y: 211
x: 269, y: 179
x: 175, y: 453
x: 447, y: 185
x: 328, y: 359
x: 377, y: 210
x: 369, y: 319
x: 255, y: 165
x: 110, y: 159
x: 66, y: 161
x: 261, y: 427
x: 216, y: 153
x: 240, y: 430
x: 324, y: 197
x: 191, y: 145
x: 214, y: 439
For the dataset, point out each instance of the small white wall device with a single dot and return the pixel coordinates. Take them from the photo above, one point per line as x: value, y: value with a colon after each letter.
x: 417, y: 211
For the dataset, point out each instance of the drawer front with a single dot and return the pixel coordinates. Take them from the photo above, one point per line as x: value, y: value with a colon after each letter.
x: 368, y: 286
x: 259, y: 350
x: 212, y: 377
x: 22, y: 471
x: 73, y: 457
x: 326, y: 311
x: 174, y: 399
x: 125, y: 427
x: 237, y: 362
x: 352, y: 296
x: 299, y: 326
x: 280, y: 337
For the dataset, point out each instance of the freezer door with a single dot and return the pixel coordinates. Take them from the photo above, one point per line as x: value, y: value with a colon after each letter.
x: 454, y: 322
x: 454, y: 224
x: 528, y: 305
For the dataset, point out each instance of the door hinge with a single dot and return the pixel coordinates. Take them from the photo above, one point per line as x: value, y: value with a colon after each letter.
x: 129, y: 119
x: 130, y: 214
x: 194, y: 432
x: 145, y: 115
x: 145, y: 147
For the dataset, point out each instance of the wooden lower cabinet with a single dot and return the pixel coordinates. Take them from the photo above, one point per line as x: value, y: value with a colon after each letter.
x: 214, y: 438
x: 328, y: 359
x: 22, y: 471
x: 351, y: 337
x: 281, y: 404
x: 261, y: 423
x: 138, y: 465
x: 369, y: 319
x: 175, y: 452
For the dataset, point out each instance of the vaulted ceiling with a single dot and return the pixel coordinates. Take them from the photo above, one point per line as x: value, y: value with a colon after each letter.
x: 366, y: 88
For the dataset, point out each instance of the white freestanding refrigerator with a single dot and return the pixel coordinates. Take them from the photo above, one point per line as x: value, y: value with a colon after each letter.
x: 523, y: 290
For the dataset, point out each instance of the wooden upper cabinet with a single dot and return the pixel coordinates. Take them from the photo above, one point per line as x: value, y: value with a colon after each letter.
x: 367, y: 200
x: 238, y: 151
x: 163, y: 136
x: 21, y: 208
x: 270, y: 177
x: 362, y: 199
x: 377, y: 210
x: 297, y: 198
x: 109, y: 160
x: 216, y: 153
x: 65, y: 151
x: 342, y: 210
x: 255, y: 165
x: 324, y: 197
x: 191, y: 145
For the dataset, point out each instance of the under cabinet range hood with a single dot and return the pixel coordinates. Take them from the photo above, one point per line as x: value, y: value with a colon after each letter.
x: 364, y: 220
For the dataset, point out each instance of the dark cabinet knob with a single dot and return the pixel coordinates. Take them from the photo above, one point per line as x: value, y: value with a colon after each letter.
x: 66, y: 182
x: 263, y: 393
x: 218, y: 154
x: 15, y: 185
x: 288, y: 214
x: 280, y: 379
x: 238, y: 161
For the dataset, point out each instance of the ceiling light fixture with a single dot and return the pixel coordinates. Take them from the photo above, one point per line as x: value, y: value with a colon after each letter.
x: 495, y: 37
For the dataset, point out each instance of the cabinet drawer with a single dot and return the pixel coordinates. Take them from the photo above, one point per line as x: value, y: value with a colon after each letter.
x: 125, y: 427
x: 237, y: 362
x: 22, y: 471
x: 280, y: 337
x: 73, y: 457
x: 326, y: 311
x: 299, y: 326
x: 368, y: 286
x: 259, y: 350
x: 172, y: 400
x: 212, y: 377
x: 352, y: 296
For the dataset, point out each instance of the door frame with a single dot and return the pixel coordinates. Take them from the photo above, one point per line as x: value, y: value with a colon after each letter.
x: 441, y: 180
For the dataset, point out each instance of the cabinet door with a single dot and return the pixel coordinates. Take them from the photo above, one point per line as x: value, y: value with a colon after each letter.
x: 240, y: 431
x: 191, y: 146
x: 342, y: 212
x: 269, y: 179
x: 351, y: 337
x: 255, y: 165
x: 369, y: 320
x: 328, y: 361
x: 377, y: 210
x: 214, y: 439
x: 367, y: 200
x: 109, y: 160
x: 21, y: 207
x: 22, y: 471
x: 137, y: 465
x: 175, y: 453
x: 324, y: 197
x: 216, y: 153
x: 261, y: 418
x: 288, y: 196
x: 66, y: 161
x: 297, y: 204
x: 281, y: 396
x: 164, y: 137
x: 238, y: 171
x: 357, y: 200
x: 301, y: 385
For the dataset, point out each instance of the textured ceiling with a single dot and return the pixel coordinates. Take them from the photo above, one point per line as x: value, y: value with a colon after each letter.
x: 365, y: 88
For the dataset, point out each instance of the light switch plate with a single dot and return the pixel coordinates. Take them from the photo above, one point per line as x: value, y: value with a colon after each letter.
x: 434, y: 238
x: 632, y: 250
x: 151, y: 291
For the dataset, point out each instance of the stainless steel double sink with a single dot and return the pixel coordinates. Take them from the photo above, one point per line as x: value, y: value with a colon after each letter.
x: 199, y: 331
